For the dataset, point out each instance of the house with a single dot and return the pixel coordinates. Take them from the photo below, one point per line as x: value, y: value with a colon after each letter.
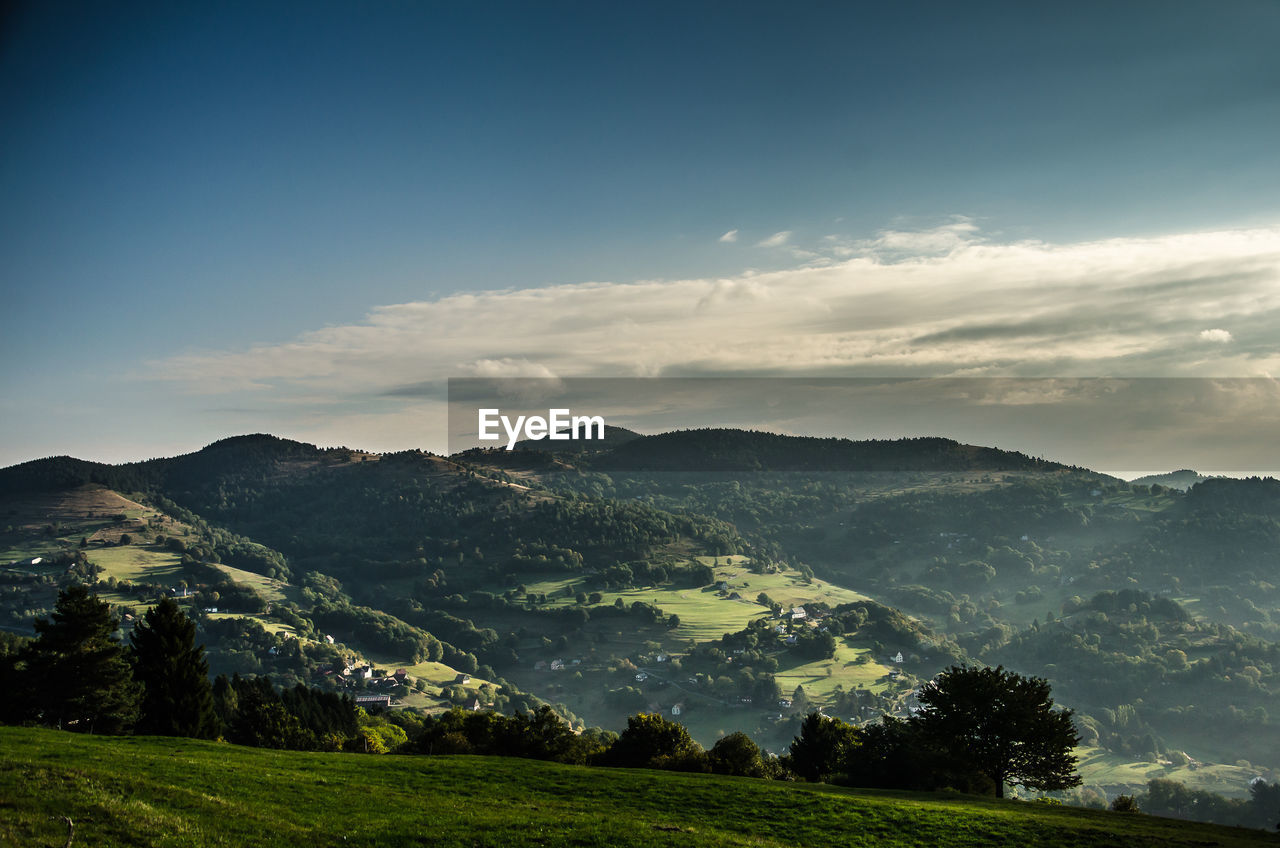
x: 474, y: 704
x: 898, y: 657
x: 401, y: 674
x: 364, y: 672
x: 784, y: 702
x: 327, y: 637
x: 373, y: 700
x: 642, y: 677
x: 798, y: 614
x: 462, y: 678
x: 676, y: 709
x: 557, y: 665
x: 780, y: 629
x: 660, y: 658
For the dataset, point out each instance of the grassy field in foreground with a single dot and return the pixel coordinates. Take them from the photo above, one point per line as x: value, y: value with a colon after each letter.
x: 127, y: 791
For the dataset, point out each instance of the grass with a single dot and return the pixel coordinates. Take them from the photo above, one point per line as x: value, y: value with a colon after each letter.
x: 139, y: 791
x: 707, y: 614
x: 821, y: 677
x: 1104, y: 768
x: 267, y: 587
x: 138, y: 564
x: 703, y: 614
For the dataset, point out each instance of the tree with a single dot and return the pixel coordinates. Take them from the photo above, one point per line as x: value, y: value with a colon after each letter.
x: 1124, y: 804
x: 736, y: 754
x: 177, y: 698
x: 1000, y: 724
x: 822, y: 749
x: 76, y: 671
x: 1264, y: 799
x: 651, y: 741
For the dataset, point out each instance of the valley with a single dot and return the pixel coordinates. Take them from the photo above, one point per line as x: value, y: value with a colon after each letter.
x: 726, y: 600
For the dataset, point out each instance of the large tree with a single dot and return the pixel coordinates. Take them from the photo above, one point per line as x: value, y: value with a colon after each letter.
x: 1000, y: 724
x: 177, y: 698
x: 76, y: 672
x: 652, y: 741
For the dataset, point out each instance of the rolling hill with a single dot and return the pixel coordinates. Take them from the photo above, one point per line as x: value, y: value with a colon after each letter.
x: 177, y: 792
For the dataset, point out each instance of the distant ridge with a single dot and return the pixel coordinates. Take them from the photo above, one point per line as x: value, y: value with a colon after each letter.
x: 1182, y: 479
x: 751, y: 450
x: 613, y: 437
x: 252, y: 454
x: 259, y: 455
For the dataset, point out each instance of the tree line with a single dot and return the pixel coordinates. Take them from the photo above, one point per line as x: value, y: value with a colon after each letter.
x: 977, y: 729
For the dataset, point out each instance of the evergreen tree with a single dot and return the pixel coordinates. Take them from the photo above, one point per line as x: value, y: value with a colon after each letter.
x: 177, y: 698
x: 76, y: 673
x: 822, y: 749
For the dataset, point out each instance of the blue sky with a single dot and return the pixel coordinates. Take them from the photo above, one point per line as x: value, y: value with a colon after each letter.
x: 227, y: 218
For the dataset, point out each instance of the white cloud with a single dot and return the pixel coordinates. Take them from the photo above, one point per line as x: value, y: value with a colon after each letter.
x: 730, y: 236
x: 778, y: 239
x: 940, y: 303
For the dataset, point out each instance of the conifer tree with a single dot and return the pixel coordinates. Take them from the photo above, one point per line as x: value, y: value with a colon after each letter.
x: 76, y: 672
x: 177, y: 698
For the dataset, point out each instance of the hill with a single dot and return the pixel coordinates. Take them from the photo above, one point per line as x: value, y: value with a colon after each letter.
x: 613, y: 437
x: 1154, y: 613
x: 1182, y: 480
x: 750, y: 450
x: 175, y: 792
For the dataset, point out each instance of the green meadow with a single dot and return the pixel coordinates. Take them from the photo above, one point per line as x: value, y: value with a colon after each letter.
x: 146, y: 791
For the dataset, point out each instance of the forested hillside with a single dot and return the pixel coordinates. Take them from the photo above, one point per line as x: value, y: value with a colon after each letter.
x: 729, y: 599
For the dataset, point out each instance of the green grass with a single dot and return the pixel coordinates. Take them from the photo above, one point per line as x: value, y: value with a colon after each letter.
x: 1103, y: 768
x: 128, y: 791
x: 138, y: 564
x: 706, y: 614
x: 703, y: 614
x: 267, y: 587
x: 821, y: 677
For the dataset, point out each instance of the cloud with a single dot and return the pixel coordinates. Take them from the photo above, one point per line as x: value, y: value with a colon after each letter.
x: 945, y: 302
x: 778, y: 239
x: 729, y: 237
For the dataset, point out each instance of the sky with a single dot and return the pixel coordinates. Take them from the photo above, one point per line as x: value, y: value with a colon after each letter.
x: 302, y: 219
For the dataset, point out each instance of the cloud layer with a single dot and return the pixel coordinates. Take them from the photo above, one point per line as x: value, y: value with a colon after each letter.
x: 943, y: 302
